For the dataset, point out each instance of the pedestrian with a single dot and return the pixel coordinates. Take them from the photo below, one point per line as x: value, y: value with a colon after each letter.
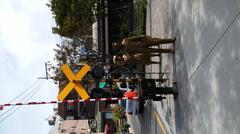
x: 142, y: 44
x: 131, y: 94
x: 135, y: 59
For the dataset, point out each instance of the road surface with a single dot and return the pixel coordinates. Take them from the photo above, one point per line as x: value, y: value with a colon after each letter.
x: 205, y: 65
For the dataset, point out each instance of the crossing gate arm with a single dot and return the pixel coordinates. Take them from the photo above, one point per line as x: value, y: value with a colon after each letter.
x: 67, y: 101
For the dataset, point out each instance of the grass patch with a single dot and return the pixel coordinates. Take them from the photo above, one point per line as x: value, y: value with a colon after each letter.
x: 140, y: 17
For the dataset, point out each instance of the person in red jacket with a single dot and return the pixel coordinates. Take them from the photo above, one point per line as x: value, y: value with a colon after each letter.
x: 131, y: 94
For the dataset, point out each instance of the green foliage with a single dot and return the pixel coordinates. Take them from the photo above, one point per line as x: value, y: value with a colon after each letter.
x: 118, y: 113
x: 72, y: 52
x: 73, y: 17
x: 139, y: 19
x: 123, y: 28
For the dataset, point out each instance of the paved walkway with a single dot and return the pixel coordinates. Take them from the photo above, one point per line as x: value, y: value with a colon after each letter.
x: 206, y: 63
x: 209, y: 37
x: 158, y: 24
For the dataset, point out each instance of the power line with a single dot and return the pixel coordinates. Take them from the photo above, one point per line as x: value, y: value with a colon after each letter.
x: 10, y: 114
x: 22, y: 98
x: 33, y: 92
x: 38, y: 86
x: 24, y: 91
x: 20, y: 94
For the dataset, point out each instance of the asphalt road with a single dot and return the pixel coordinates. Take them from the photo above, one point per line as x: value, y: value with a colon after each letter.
x: 208, y: 36
x: 158, y: 117
x: 205, y: 65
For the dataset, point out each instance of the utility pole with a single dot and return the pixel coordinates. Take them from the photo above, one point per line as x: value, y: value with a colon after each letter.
x: 47, y: 75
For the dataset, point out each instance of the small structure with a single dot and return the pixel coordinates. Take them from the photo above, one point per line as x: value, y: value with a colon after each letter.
x: 71, y: 127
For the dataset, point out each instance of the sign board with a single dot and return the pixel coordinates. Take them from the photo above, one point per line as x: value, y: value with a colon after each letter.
x: 74, y: 82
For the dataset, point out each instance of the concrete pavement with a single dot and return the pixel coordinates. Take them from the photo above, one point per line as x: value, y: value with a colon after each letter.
x: 158, y: 24
x: 150, y: 122
x: 158, y: 117
x: 208, y: 34
x: 206, y: 62
x: 206, y: 65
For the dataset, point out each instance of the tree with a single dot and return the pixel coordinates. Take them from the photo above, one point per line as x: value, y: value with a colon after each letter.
x: 73, y: 52
x: 118, y: 113
x: 73, y: 17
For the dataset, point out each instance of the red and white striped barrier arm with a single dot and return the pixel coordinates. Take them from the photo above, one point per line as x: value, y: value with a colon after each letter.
x: 67, y: 101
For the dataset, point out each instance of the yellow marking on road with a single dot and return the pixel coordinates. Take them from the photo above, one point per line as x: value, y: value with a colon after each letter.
x: 160, y: 123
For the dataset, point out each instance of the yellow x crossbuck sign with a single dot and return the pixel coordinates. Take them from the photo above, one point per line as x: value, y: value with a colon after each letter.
x: 74, y: 82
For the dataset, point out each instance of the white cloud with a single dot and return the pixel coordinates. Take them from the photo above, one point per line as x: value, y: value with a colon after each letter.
x: 26, y: 42
x: 26, y: 33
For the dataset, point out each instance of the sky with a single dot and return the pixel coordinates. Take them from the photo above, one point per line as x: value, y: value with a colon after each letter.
x: 26, y: 43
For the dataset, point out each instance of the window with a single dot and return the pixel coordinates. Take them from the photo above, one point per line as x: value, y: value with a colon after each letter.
x: 70, y: 118
x: 73, y: 126
x: 108, y: 115
x: 63, y: 130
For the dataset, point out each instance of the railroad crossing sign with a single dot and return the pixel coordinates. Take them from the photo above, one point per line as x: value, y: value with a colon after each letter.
x: 74, y: 82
